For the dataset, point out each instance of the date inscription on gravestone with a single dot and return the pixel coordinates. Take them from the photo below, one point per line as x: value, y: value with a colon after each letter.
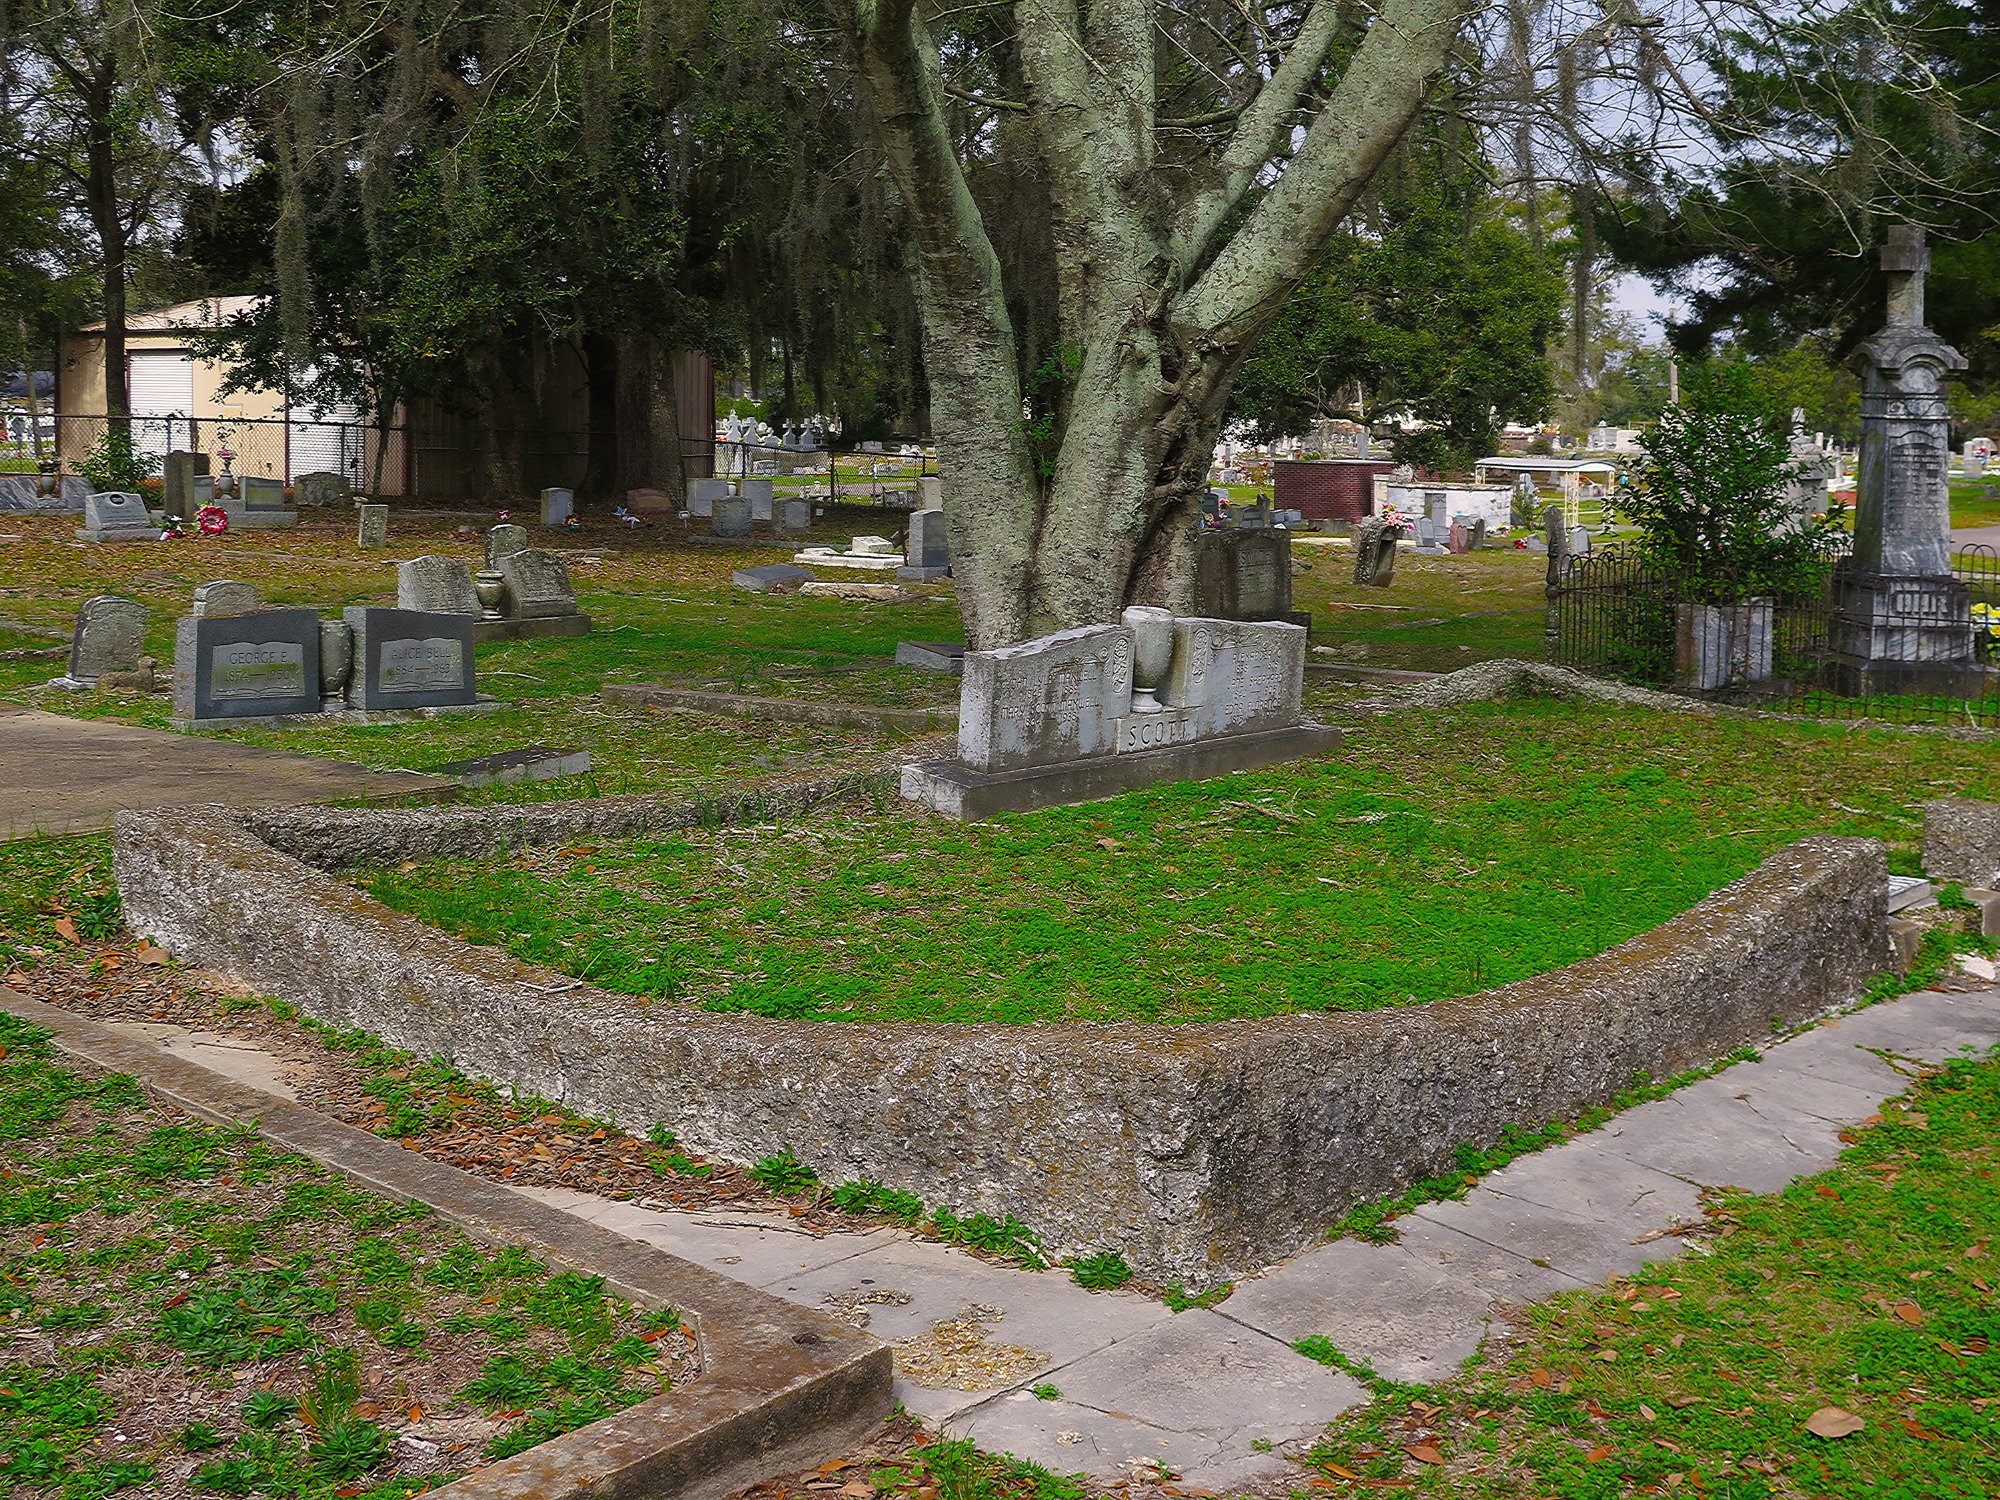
x: 256, y: 669
x: 433, y: 664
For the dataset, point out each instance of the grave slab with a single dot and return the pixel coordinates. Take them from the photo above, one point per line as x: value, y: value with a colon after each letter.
x: 531, y: 763
x: 61, y: 776
x: 772, y: 578
x: 944, y: 657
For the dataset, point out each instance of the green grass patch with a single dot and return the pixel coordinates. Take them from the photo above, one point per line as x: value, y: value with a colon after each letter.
x: 1436, y: 854
x: 301, y: 1324
x: 1868, y: 1289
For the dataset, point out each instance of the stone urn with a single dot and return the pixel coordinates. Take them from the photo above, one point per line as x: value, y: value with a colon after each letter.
x: 336, y: 659
x: 491, y: 587
x: 1152, y: 653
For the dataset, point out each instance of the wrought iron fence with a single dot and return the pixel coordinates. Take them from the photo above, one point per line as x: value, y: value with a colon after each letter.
x: 1907, y: 651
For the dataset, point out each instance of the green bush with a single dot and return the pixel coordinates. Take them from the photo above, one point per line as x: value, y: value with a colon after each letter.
x: 113, y: 463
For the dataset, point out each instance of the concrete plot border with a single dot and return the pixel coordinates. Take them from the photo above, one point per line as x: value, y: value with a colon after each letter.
x: 781, y: 1387
x: 1201, y: 1152
x: 785, y: 710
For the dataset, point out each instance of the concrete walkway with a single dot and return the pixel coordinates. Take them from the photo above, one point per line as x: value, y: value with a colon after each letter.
x: 1205, y: 1391
x: 60, y: 775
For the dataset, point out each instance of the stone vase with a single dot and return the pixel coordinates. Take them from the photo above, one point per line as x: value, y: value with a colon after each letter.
x: 336, y: 659
x: 491, y: 587
x: 1152, y: 653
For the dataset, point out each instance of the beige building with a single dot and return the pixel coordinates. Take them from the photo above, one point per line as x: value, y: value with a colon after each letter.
x: 177, y: 402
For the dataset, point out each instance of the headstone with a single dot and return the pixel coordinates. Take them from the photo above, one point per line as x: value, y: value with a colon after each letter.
x: 930, y: 492
x: 505, y: 540
x: 322, y: 487
x: 772, y: 578
x: 1055, y: 699
x: 926, y: 552
x: 703, y: 493
x: 436, y: 585
x: 1579, y: 541
x: 1555, y: 536
x: 759, y: 493
x: 793, y: 517
x: 178, y: 494
x: 116, y: 516
x: 246, y: 666
x: 1477, y: 537
x: 225, y: 599
x: 648, y: 499
x: 538, y: 585
x: 732, y: 517
x: 1375, y: 553
x: 374, y: 527
x: 872, y: 546
x: 42, y: 492
x: 946, y: 657
x: 1243, y: 575
x: 1902, y: 622
x: 110, y: 636
x: 407, y: 658
x: 558, y: 505
x: 262, y: 495
x: 1975, y: 466
x: 1235, y: 676
x: 1458, y: 540
x: 1805, y: 491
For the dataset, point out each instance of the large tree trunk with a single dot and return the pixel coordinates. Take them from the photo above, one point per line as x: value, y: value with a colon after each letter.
x: 1073, y: 473
x: 604, y: 435
x: 107, y: 222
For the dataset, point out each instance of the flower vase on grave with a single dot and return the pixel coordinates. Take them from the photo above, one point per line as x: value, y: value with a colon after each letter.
x: 491, y: 588
x: 1152, y: 653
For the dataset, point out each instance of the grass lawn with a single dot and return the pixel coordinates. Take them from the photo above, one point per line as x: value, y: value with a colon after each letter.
x: 1971, y: 505
x: 1434, y: 855
x: 1440, y: 614
x: 190, y: 1311
x: 663, y: 614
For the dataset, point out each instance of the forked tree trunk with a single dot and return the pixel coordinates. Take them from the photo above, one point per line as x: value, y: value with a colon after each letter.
x: 1163, y: 278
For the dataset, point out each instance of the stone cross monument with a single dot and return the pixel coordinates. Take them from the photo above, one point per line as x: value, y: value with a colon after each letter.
x: 1902, y: 623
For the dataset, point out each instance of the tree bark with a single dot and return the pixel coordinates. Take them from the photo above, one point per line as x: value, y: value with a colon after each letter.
x: 107, y: 222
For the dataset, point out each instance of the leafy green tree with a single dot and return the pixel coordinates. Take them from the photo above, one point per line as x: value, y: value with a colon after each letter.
x: 1709, y: 494
x: 1441, y: 309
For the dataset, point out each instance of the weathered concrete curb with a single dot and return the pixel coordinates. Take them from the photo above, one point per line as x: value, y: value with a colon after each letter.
x: 781, y: 1387
x: 1201, y: 1152
x: 787, y: 710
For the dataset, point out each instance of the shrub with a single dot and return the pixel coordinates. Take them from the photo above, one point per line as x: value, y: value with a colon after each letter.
x: 113, y: 463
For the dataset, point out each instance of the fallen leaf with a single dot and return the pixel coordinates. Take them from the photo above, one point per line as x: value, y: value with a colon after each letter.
x: 1337, y: 1469
x: 1598, y: 1454
x: 1423, y: 1453
x: 150, y: 953
x: 1832, y: 1422
x: 416, y: 1411
x: 1916, y: 1119
x: 1542, y: 1378
x: 1607, y: 1355
x: 1909, y: 1312
x: 67, y: 929
x: 1648, y: 1413
x: 857, y: 1489
x: 1111, y: 844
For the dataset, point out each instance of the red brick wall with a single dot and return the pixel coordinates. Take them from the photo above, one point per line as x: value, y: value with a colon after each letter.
x: 1338, y: 489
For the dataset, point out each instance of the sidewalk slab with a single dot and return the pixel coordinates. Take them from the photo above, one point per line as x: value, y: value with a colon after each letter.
x: 64, y: 776
x: 1725, y: 1142
x: 1584, y: 1248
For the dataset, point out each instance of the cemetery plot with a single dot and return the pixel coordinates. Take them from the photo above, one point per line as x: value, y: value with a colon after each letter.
x: 1440, y: 854
x: 1440, y: 613
x: 194, y: 1312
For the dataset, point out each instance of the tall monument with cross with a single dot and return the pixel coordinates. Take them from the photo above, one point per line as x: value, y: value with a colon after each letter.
x: 1902, y: 623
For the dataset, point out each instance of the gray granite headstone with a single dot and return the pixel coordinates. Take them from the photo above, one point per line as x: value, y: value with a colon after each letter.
x: 1046, y: 701
x: 703, y: 493
x: 181, y: 470
x: 558, y: 505
x: 732, y: 517
x: 538, y: 585
x: 110, y: 636
x: 505, y: 540
x: 116, y: 516
x: 374, y: 528
x: 1243, y: 575
x: 261, y: 494
x: 793, y: 517
x: 405, y: 658
x: 927, y: 546
x: 436, y: 585
x: 759, y: 493
x: 226, y: 598
x: 247, y: 666
x: 323, y: 487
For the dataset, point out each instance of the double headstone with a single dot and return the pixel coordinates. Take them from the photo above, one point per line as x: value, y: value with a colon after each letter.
x: 116, y: 516
x: 703, y: 493
x: 322, y: 487
x: 793, y: 517
x: 261, y: 504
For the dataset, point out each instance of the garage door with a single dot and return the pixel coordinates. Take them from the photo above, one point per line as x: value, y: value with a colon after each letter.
x: 161, y: 383
x: 326, y: 440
